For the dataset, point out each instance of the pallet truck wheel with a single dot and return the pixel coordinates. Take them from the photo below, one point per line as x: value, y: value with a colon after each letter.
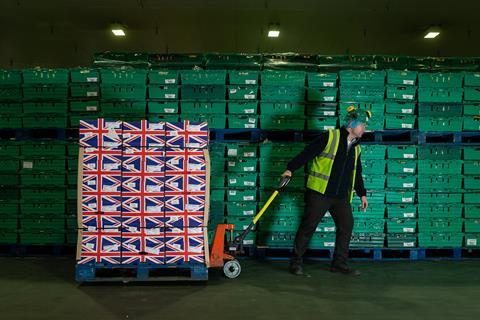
x: 232, y: 269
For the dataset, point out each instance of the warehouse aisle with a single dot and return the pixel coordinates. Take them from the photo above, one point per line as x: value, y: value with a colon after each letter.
x: 43, y: 288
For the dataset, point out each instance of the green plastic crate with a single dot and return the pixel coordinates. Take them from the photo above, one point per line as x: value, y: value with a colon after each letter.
x: 84, y: 75
x: 471, y: 153
x: 282, y: 93
x: 92, y: 106
x: 471, y: 109
x: 471, y: 167
x: 322, y: 79
x: 471, y: 94
x: 163, y: 107
x: 441, y: 198
x: 440, y: 167
x: 439, y: 152
x: 471, y: 198
x: 9, y: 149
x: 45, y: 108
x: 297, y: 198
x: 56, y: 121
x: 471, y: 123
x: 362, y: 94
x: 440, y: 80
x: 280, y: 224
x: 242, y: 165
x: 10, y: 93
x: 242, y: 77
x: 217, y: 195
x: 10, y: 122
x: 242, y: 195
x: 242, y: 92
x: 362, y: 77
x: 472, y: 240
x: 408, y: 93
x: 242, y: 150
x: 440, y: 182
x: 401, y: 77
x: 43, y: 149
x: 38, y: 208
x: 440, y: 240
x: 472, y: 211
x: 72, y: 178
x: 429, y: 210
x: 374, y: 198
x: 56, y: 76
x: 376, y: 108
x: 440, y: 110
x: 471, y: 182
x: 241, y: 208
x: 249, y: 240
x: 45, y: 92
x: 404, y: 197
x: 472, y: 79
x: 400, y: 225
x: 9, y: 165
x: 163, y: 92
x: 123, y: 92
x: 402, y: 152
x: 8, y: 224
x: 451, y: 95
x: 268, y: 122
x: 43, y: 194
x: 10, y: 77
x: 322, y: 110
x: 368, y: 225
x: 374, y: 152
x: 123, y: 76
x: 9, y: 194
x: 400, y: 121
x: 282, y: 109
x: 272, y: 182
x: 10, y: 109
x: 33, y: 224
x: 203, y: 77
x: 134, y: 108
x: 214, y: 121
x: 243, y: 107
x: 374, y: 182
x: 322, y: 123
x: 43, y: 179
x: 280, y: 150
x: 401, y: 211
x: 279, y: 78
x: 402, y: 240
x: 372, y: 212
x: 401, y: 181
x: 440, y: 124
x: 398, y: 107
x: 84, y: 91
x: 242, y: 180
x: 9, y: 208
x: 8, y: 237
x: 288, y: 209
x: 217, y: 181
x: 374, y: 166
x: 440, y: 225
x: 9, y: 179
x: 42, y: 238
x: 203, y: 92
x: 322, y: 94
x: 401, y: 166
x: 168, y: 77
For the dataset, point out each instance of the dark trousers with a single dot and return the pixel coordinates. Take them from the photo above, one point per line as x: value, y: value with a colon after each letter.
x: 315, y: 208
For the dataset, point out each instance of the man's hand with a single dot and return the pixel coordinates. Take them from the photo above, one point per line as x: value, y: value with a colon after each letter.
x: 287, y: 173
x: 364, y: 205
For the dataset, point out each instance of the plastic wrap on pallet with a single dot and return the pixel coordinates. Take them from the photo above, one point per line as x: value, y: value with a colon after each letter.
x: 114, y: 59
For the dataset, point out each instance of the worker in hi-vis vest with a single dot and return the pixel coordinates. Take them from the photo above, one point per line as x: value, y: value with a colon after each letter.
x: 336, y: 172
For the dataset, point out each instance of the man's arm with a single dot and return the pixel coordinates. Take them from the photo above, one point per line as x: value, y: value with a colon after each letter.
x: 359, y: 186
x: 311, y: 151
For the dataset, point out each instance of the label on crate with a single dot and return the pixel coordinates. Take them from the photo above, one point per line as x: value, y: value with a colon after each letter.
x: 133, y: 205
x: 250, y: 81
x: 249, y: 154
x: 193, y: 145
x: 194, y: 166
x: 92, y: 79
x: 155, y: 251
x: 248, y: 242
x: 249, y: 126
x: 328, y: 98
x: 111, y: 166
x: 407, y: 96
x: 408, y: 230
x: 248, y: 213
x: 91, y: 229
x: 248, y: 198
x: 91, y: 183
x: 410, y: 82
x: 328, y: 127
x: 249, y: 111
x: 232, y: 152
x: 152, y: 231
x: 232, y: 181
x: 249, y: 169
x: 252, y: 120
x: 90, y: 245
x: 170, y: 81
x: 154, y: 209
x: 154, y: 168
x: 172, y: 133
x: 231, y: 163
x: 329, y: 244
x: 159, y: 125
x: 407, y: 199
x: 132, y: 229
x: 113, y: 247
x: 409, y: 170
x: 471, y: 242
x: 27, y: 164
x: 408, y: 185
x: 329, y: 229
x: 153, y: 188
x: 249, y: 183
x: 194, y: 127
x: 110, y: 208
x: 92, y: 205
x: 193, y: 207
x: 232, y: 192
x: 407, y: 126
x: 328, y: 113
x: 92, y: 93
x: 249, y: 96
x: 409, y: 244
x: 233, y: 90
x: 194, y: 187
x: 408, y: 155
x: 169, y: 110
x: 328, y: 84
x: 110, y: 188
x: 407, y: 110
x: 91, y: 108
x: 408, y: 214
x: 170, y: 95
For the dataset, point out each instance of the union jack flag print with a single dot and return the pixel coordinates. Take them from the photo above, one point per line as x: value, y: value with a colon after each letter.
x: 101, y: 211
x: 143, y: 246
x: 100, y: 246
x: 184, y: 245
x: 186, y: 134
x: 102, y: 161
x: 100, y: 133
x: 143, y: 134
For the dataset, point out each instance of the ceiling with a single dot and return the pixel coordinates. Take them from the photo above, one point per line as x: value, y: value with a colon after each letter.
x: 68, y: 32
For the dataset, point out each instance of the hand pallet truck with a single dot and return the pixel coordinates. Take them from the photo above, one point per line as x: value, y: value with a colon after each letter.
x: 223, y: 254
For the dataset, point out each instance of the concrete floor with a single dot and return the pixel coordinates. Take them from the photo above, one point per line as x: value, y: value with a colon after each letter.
x: 43, y: 288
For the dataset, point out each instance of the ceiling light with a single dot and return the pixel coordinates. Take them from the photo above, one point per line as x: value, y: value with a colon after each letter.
x: 118, y: 32
x: 432, y: 33
x: 273, y: 30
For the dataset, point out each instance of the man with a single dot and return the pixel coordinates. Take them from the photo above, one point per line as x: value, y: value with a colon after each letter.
x: 336, y: 171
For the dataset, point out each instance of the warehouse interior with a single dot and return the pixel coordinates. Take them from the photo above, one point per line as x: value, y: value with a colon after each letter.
x: 144, y: 147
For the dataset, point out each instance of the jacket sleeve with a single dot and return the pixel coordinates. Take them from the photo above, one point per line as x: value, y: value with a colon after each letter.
x: 311, y: 151
x: 359, y: 186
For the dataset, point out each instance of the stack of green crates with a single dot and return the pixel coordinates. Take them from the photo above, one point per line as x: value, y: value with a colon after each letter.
x: 163, y: 95
x: 9, y: 192
x: 471, y: 106
x: 72, y: 183
x: 216, y: 214
x: 45, y: 98
x: 203, y: 96
x: 471, y: 197
x: 282, y: 105
x: 440, y: 97
x: 10, y: 99
x: 366, y: 90
x: 84, y: 95
x: 243, y: 96
x: 401, y: 98
x: 322, y: 93
x: 43, y: 193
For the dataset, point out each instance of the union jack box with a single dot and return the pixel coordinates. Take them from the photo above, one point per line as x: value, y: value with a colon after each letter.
x: 100, y: 133
x: 100, y: 211
x: 187, y: 210
x: 99, y: 246
x: 142, y: 212
x: 145, y: 245
x: 186, y: 134
x: 143, y: 134
x: 185, y: 160
x: 100, y: 161
x: 185, y: 245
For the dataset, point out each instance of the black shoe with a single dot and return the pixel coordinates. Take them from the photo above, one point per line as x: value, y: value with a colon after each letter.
x: 345, y: 270
x: 296, y: 267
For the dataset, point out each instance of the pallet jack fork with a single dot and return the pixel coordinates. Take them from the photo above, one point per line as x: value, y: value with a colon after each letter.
x: 222, y: 255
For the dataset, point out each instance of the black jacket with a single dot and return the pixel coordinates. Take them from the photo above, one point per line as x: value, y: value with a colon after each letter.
x: 340, y: 180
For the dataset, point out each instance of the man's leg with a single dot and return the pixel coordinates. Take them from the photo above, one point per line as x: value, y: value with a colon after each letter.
x: 315, y: 208
x: 343, y: 217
